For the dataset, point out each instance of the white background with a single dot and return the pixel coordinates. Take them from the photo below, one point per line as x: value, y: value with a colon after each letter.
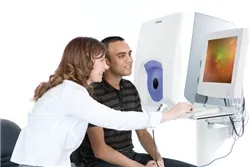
x: 33, y: 35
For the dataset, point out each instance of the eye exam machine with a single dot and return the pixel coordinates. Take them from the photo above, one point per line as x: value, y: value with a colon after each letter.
x: 197, y: 58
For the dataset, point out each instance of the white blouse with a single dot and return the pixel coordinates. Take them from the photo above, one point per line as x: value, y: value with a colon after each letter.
x: 59, y: 120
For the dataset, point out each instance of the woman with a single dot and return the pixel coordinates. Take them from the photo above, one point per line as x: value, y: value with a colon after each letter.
x: 63, y: 108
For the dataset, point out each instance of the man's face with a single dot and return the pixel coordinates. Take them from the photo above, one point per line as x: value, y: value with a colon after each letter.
x: 120, y: 59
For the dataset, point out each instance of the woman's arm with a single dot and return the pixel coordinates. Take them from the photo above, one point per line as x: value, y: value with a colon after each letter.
x: 78, y: 102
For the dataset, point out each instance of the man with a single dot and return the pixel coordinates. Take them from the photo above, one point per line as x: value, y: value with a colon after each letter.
x: 110, y: 148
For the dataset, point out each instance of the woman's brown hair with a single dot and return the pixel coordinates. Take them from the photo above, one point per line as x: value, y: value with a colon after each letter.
x: 76, y: 64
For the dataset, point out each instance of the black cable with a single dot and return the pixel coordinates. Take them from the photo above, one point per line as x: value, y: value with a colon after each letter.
x: 206, y: 100
x: 225, y: 101
x: 243, y: 105
x: 155, y: 148
x: 234, y: 128
x: 242, y: 130
x: 236, y: 137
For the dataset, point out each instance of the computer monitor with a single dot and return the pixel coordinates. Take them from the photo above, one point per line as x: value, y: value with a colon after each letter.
x: 223, y: 64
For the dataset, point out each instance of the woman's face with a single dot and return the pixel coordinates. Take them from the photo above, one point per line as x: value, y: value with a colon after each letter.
x: 99, y: 68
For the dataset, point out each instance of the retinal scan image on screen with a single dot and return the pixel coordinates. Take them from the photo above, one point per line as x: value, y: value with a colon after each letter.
x: 220, y: 59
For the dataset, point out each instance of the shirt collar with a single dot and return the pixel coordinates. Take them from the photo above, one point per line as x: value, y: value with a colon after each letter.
x: 110, y: 88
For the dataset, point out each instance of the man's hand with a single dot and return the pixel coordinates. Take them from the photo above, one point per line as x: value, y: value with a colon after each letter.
x: 160, y: 163
x: 151, y: 163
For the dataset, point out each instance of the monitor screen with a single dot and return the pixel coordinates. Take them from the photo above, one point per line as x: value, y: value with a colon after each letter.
x: 220, y: 59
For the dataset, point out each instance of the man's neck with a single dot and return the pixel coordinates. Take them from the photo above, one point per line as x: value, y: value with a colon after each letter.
x: 114, y: 81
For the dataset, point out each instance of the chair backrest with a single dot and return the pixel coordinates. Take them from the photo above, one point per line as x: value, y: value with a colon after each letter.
x: 9, y: 134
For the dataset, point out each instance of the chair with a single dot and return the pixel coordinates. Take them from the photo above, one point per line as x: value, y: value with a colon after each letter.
x: 75, y: 158
x: 9, y: 134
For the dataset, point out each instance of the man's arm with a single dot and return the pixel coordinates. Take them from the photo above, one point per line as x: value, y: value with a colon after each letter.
x: 144, y: 136
x: 147, y: 143
x: 105, y: 152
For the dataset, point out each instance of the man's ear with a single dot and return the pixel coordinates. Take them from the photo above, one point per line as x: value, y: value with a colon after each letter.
x: 107, y: 61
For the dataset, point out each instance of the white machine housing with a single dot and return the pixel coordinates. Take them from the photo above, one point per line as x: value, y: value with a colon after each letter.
x: 176, y: 41
x: 166, y: 40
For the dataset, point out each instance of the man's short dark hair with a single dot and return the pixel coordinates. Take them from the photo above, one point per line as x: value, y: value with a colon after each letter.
x: 106, y: 41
